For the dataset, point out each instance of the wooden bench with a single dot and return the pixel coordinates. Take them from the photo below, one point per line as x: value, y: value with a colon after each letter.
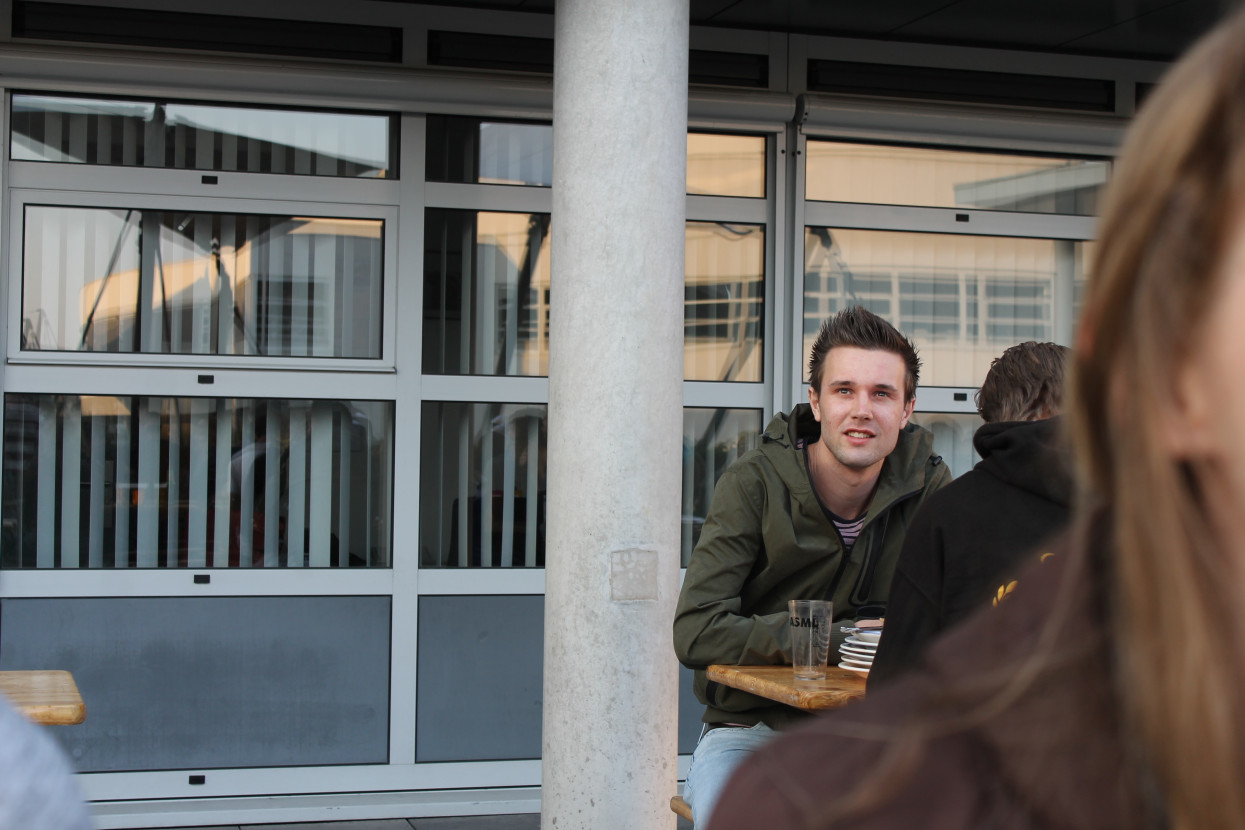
x: 679, y: 806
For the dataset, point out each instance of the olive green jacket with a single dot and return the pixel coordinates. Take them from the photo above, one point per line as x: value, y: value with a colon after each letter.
x: 767, y: 539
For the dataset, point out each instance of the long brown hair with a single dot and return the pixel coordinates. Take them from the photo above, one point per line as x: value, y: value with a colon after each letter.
x: 1175, y: 192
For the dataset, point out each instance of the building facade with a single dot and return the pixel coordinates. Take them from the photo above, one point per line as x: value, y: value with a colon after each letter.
x: 277, y: 287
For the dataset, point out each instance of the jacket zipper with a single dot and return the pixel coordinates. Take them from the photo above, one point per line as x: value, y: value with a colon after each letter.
x: 867, y: 565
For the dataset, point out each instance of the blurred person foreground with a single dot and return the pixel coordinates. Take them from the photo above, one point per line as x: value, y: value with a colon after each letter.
x: 1103, y: 692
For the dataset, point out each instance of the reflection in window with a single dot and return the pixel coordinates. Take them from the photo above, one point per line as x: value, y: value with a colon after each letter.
x: 150, y: 482
x: 724, y: 290
x: 953, y: 436
x: 880, y: 174
x: 712, y: 440
x: 184, y: 136
x: 482, y: 485
x: 726, y: 165
x: 486, y: 293
x: 473, y: 150
x: 962, y: 299
x: 183, y: 282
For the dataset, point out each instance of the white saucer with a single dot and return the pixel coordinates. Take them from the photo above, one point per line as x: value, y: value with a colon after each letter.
x: 856, y: 669
x: 857, y: 661
x: 846, y: 649
x: 861, y: 644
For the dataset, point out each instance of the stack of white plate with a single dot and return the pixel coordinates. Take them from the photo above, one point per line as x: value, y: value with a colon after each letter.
x: 856, y: 653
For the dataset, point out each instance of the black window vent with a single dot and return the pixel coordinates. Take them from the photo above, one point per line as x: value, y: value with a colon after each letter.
x: 510, y: 53
x: 1086, y: 94
x: 507, y: 53
x: 215, y: 32
x: 728, y: 69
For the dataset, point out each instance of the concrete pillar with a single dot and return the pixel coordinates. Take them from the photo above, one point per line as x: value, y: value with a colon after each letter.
x: 615, y: 413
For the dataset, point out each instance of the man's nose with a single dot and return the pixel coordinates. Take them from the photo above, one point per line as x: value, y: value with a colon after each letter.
x: 862, y: 406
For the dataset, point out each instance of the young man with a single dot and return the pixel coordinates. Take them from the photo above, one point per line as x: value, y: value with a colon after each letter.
x: 967, y: 544
x: 818, y: 511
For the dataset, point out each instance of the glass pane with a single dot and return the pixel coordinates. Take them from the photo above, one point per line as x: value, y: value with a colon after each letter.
x: 726, y: 165
x: 469, y: 450
x: 880, y: 174
x: 724, y: 291
x: 953, y: 437
x: 472, y: 150
x: 486, y: 293
x: 712, y: 440
x: 962, y: 299
x: 201, y: 137
x: 180, y: 282
x: 112, y: 482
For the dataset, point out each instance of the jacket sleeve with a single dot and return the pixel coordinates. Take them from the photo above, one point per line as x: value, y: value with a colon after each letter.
x: 710, y: 624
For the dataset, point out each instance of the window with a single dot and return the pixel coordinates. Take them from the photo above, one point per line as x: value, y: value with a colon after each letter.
x: 94, y: 481
x: 194, y: 136
x: 130, y: 280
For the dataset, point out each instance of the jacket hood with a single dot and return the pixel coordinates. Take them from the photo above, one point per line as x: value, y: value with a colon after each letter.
x: 1030, y: 455
x: 903, y: 471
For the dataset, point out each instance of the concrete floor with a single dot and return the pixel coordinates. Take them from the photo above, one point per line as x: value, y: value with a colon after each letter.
x: 524, y: 821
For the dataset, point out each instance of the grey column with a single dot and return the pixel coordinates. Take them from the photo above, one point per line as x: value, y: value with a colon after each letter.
x: 615, y: 413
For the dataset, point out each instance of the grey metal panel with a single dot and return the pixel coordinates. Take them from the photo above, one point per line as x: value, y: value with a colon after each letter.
x: 479, y: 695
x: 213, y: 682
x: 480, y: 673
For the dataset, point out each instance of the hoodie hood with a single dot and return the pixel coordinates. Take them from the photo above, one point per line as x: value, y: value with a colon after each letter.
x: 1030, y: 455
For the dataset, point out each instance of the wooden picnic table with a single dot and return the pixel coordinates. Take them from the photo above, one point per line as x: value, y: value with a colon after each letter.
x: 839, y: 687
x: 48, y: 697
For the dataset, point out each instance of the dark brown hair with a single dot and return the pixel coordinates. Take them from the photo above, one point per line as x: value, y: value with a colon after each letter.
x: 1025, y: 383
x: 858, y: 326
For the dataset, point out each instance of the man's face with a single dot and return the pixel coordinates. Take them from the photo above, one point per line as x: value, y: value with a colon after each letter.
x: 861, y: 406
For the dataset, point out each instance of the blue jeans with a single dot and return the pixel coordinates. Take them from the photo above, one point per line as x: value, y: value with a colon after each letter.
x: 715, y: 758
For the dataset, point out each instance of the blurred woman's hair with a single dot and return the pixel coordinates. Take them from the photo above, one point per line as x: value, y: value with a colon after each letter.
x: 1176, y: 600
x: 1025, y: 383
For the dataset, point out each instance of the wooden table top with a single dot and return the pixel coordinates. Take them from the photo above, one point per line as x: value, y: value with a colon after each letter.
x: 839, y: 688
x: 49, y: 697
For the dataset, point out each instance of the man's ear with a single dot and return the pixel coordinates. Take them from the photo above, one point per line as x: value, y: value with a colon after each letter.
x: 814, y: 401
x: 907, y: 411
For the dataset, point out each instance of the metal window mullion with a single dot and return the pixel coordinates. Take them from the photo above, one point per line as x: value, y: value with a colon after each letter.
x: 73, y: 272
x: 349, y: 247
x: 95, y: 537
x: 321, y: 497
x: 274, y: 425
x: 296, y: 545
x: 123, y: 486
x: 464, y: 492
x: 199, y: 498
x: 201, y: 288
x: 323, y: 284
x: 148, y: 483
x: 225, y: 274
x: 225, y: 410
x: 173, y: 475
x: 467, y: 281
x: 533, y: 490
x: 246, y: 486
x: 345, y: 467
x: 303, y: 318
x: 486, y: 485
x: 45, y: 511
x: 508, y: 494
x: 149, y: 317
x: 71, y: 481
